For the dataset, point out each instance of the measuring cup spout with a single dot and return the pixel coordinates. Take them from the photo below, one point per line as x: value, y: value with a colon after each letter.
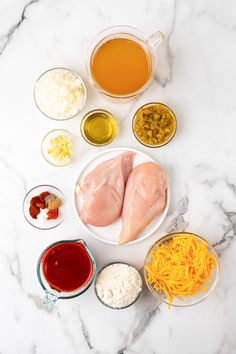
x: 80, y: 240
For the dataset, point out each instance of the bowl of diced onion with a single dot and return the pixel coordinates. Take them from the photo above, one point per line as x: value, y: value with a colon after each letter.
x: 60, y: 93
x: 181, y: 269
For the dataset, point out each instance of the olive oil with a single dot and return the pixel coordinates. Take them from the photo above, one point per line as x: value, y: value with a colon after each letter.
x: 99, y: 127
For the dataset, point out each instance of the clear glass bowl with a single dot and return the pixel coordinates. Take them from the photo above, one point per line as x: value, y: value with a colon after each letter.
x: 51, y: 295
x: 186, y: 301
x: 41, y: 222
x: 117, y: 308
x: 79, y: 109
x: 148, y: 105
x: 104, y: 112
x: 45, y: 145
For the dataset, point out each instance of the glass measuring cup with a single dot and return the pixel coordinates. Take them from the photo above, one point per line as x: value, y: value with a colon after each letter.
x: 52, y: 289
x: 148, y: 44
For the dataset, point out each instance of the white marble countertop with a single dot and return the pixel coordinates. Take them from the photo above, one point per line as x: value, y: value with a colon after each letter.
x: 196, y: 77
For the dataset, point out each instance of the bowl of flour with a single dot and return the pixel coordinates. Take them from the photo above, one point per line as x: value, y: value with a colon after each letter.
x: 118, y: 285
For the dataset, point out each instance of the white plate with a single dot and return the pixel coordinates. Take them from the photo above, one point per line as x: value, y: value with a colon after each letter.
x: 110, y: 234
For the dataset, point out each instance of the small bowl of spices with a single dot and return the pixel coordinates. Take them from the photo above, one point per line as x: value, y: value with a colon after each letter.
x: 59, y: 147
x: 44, y: 207
x: 154, y: 124
x: 99, y: 127
x: 118, y: 285
x: 60, y: 93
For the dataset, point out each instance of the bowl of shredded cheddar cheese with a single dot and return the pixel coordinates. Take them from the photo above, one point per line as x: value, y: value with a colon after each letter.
x: 181, y: 269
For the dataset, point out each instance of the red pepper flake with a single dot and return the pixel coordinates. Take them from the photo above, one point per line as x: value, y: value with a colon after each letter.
x: 53, y: 214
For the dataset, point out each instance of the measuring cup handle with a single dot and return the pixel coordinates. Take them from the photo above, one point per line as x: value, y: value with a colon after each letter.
x: 50, y: 299
x: 156, y: 39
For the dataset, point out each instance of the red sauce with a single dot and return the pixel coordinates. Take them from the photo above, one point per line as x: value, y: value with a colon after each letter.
x: 67, y: 266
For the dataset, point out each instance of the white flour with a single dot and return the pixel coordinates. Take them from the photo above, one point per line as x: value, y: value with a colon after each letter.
x: 118, y: 285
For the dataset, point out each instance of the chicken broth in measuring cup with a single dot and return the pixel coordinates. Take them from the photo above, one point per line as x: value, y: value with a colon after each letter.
x: 121, y: 66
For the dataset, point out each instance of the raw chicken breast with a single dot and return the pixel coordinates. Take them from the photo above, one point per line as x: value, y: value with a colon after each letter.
x: 103, y: 190
x: 145, y: 199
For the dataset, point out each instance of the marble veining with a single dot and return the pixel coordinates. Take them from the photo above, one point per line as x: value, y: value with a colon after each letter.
x: 196, y: 77
x: 6, y: 38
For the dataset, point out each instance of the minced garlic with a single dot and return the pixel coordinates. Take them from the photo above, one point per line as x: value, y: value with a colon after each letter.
x: 61, y: 148
x: 60, y: 93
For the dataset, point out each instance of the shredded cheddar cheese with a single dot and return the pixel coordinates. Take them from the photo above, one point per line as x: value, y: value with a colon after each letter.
x: 180, y: 267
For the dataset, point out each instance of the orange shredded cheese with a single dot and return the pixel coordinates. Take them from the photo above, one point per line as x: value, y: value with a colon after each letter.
x: 180, y: 267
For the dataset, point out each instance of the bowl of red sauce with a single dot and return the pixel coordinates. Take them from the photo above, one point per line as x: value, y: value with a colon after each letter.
x: 65, y: 269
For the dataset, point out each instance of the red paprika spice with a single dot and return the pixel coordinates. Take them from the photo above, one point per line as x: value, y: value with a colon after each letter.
x: 39, y: 202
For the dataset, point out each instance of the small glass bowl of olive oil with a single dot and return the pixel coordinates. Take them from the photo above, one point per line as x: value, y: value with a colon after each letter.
x: 99, y: 127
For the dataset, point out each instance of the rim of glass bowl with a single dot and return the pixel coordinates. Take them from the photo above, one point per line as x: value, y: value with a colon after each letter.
x: 217, y: 270
x: 87, y: 115
x: 49, y: 289
x: 73, y: 157
x: 74, y: 73
x: 152, y: 104
x: 24, y: 200
x: 95, y: 42
x: 95, y: 282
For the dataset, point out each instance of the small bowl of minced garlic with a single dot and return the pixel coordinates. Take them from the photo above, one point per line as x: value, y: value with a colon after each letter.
x: 118, y: 285
x: 59, y: 147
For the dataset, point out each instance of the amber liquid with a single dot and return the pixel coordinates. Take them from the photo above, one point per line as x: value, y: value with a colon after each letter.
x: 100, y: 128
x: 120, y: 66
